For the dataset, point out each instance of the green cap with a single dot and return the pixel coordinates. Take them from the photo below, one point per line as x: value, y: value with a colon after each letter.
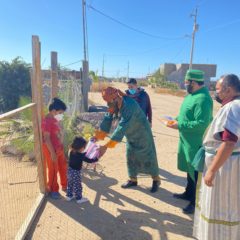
x: 195, y: 75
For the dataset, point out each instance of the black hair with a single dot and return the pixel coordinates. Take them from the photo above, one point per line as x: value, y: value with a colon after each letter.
x: 57, y: 105
x: 231, y: 80
x: 78, y: 143
x: 132, y: 81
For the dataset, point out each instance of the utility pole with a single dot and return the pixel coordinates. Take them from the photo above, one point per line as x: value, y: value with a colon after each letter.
x: 117, y: 75
x: 127, y: 71
x: 149, y: 70
x: 85, y: 66
x: 103, y: 65
x: 84, y: 29
x: 195, y: 29
x: 54, y: 74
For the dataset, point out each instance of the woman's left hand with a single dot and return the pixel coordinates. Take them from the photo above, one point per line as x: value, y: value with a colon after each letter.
x: 209, y: 177
x: 172, y: 124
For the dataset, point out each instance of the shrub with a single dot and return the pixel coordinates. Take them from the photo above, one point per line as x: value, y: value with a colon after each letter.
x: 15, y: 82
x: 71, y: 131
x: 159, y: 80
x: 175, y: 92
x: 143, y: 83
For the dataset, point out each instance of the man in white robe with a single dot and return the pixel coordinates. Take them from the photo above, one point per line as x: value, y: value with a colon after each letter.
x: 217, y: 213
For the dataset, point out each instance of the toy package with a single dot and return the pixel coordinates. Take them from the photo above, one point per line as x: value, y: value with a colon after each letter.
x: 92, y: 150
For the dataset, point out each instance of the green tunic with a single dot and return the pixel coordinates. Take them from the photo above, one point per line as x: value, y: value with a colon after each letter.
x: 141, y: 152
x: 193, y: 120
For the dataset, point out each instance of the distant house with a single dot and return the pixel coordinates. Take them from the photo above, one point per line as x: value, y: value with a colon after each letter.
x: 176, y: 72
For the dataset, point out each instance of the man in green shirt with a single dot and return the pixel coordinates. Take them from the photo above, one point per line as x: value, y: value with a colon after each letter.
x: 194, y: 117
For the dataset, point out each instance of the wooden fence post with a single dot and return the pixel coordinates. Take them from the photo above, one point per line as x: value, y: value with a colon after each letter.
x: 38, y: 110
x: 54, y: 75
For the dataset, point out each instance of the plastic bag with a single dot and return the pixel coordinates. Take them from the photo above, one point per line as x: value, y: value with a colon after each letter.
x: 92, y: 150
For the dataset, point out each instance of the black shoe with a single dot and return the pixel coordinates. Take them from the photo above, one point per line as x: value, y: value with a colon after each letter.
x: 155, y: 186
x: 189, y: 209
x: 129, y: 184
x: 183, y: 196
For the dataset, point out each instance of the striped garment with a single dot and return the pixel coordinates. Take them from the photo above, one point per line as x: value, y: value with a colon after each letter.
x: 92, y: 150
x: 217, y: 213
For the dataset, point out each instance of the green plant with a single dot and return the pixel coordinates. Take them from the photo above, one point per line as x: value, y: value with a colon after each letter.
x: 93, y: 75
x: 25, y: 144
x: 22, y: 126
x: 88, y: 131
x: 15, y: 82
x: 19, y: 129
x: 143, y: 83
x: 71, y: 131
x: 159, y: 80
x: 26, y: 114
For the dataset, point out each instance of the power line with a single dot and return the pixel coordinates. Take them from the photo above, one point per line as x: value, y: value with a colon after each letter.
x: 142, y: 52
x: 183, y: 48
x: 43, y: 62
x: 222, y: 25
x: 132, y: 28
x: 69, y: 64
x: 201, y: 3
x: 124, y: 55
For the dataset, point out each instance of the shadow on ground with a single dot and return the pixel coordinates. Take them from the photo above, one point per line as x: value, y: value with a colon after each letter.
x: 169, y: 177
x: 122, y: 224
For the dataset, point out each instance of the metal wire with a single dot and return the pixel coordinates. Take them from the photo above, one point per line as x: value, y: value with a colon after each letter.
x: 19, y: 179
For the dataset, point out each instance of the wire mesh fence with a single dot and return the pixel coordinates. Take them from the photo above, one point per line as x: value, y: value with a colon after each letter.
x: 70, y: 92
x: 20, y: 172
x: 69, y: 89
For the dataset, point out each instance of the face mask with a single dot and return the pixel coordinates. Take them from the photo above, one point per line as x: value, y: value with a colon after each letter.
x: 132, y: 91
x: 59, y: 117
x: 189, y: 88
x: 217, y: 98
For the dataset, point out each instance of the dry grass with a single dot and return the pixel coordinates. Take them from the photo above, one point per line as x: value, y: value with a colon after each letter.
x: 179, y: 93
x: 99, y: 86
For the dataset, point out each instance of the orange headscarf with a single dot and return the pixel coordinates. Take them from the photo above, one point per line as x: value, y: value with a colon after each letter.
x: 112, y: 93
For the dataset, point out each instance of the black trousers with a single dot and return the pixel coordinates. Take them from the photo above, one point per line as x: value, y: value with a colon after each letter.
x: 191, y: 187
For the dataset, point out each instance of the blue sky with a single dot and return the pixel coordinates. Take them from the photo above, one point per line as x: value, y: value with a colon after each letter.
x: 59, y: 27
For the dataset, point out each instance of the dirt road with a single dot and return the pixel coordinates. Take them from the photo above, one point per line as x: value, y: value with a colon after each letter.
x: 115, y: 213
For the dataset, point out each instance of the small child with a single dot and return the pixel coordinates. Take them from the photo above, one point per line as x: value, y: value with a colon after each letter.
x: 76, y: 158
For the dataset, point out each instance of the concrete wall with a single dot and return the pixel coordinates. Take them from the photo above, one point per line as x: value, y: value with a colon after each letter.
x: 176, y: 72
x: 167, y: 68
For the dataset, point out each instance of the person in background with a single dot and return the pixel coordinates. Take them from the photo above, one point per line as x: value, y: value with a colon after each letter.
x: 142, y: 98
x: 194, y: 117
x: 217, y: 213
x: 141, y: 152
x: 76, y: 158
x: 53, y: 150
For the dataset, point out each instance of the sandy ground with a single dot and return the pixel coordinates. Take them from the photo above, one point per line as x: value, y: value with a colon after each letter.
x: 19, y: 189
x: 116, y: 213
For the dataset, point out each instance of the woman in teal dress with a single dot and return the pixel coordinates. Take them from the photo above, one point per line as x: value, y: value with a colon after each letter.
x: 133, y: 124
